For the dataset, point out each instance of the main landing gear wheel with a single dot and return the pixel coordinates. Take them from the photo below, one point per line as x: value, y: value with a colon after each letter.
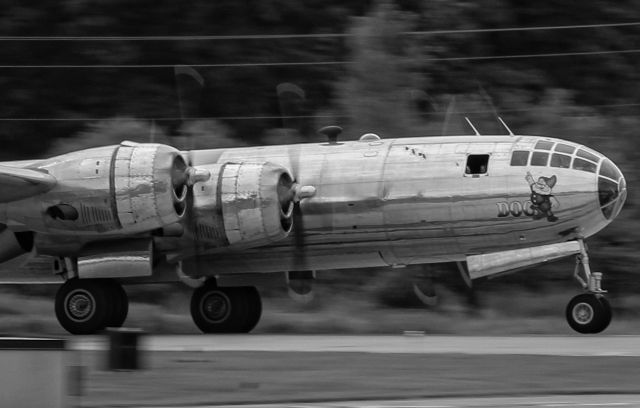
x: 255, y: 308
x: 86, y: 306
x: 119, y: 303
x: 225, y: 310
x: 82, y: 306
x: 588, y: 313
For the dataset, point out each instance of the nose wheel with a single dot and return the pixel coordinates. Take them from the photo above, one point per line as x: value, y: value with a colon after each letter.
x: 589, y: 312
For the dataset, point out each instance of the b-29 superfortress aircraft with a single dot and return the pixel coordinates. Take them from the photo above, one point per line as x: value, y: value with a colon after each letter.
x: 131, y: 213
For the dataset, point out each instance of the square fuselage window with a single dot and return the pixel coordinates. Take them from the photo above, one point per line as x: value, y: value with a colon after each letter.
x: 520, y: 158
x: 477, y: 164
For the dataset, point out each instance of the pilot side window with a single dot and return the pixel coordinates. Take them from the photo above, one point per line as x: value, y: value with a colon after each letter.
x: 520, y: 158
x: 609, y: 170
x: 539, y: 159
x: 477, y: 164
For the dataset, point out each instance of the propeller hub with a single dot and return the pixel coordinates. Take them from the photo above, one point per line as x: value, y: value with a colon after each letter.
x: 302, y: 192
x: 195, y: 175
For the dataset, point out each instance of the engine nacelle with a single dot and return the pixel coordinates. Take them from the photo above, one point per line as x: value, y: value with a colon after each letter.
x: 129, y: 188
x: 243, y: 205
x: 150, y: 184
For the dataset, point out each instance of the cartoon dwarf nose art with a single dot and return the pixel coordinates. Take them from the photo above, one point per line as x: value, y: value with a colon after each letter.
x: 541, y: 196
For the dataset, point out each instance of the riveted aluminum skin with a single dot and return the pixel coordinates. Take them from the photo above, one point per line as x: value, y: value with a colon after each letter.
x: 387, y: 202
x: 250, y: 203
x: 238, y: 207
x: 115, y: 190
x: 124, y: 259
x: 409, y: 201
x: 498, y: 262
x: 144, y: 195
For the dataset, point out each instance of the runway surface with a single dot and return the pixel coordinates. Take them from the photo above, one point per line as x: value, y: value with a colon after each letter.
x: 574, y: 345
x: 367, y: 371
x: 591, y: 401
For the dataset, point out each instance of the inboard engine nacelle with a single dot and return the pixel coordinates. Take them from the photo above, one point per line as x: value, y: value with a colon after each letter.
x: 243, y: 205
x: 128, y: 188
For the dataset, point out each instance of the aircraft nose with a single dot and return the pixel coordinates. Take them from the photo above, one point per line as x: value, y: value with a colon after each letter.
x: 612, y: 189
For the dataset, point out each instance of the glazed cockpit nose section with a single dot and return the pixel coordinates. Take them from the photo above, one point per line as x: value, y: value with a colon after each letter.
x: 612, y: 189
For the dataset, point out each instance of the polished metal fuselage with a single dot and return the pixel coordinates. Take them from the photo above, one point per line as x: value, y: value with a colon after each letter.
x: 396, y: 202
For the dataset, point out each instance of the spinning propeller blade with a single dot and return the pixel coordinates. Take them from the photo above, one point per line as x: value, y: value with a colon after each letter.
x: 447, y: 116
x: 290, y: 101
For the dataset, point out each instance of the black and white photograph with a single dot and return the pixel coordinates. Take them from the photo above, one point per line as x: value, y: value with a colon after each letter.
x: 308, y: 204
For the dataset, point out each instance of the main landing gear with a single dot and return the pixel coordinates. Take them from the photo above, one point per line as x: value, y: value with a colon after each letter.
x: 225, y: 310
x: 86, y: 306
x: 589, y: 312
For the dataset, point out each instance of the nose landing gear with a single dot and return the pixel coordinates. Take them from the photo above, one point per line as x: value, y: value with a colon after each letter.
x: 589, y: 312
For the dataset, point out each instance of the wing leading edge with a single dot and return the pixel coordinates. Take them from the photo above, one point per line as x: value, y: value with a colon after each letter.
x: 18, y: 183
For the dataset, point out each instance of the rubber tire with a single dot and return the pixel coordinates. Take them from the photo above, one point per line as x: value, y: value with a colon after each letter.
x: 608, y: 312
x: 254, y: 308
x: 232, y: 318
x: 243, y: 304
x: 601, y: 313
x: 91, y: 290
x: 118, y: 302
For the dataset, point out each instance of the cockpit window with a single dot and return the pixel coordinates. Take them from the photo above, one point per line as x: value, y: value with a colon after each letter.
x: 519, y: 158
x: 607, y: 193
x: 560, y: 160
x: 611, y: 189
x: 565, y: 148
x: 584, y: 165
x: 589, y: 156
x: 544, y: 145
x: 607, y: 169
x: 477, y: 164
x: 539, y: 159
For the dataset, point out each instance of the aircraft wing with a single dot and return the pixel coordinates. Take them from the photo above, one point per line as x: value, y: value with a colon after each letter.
x: 17, y: 183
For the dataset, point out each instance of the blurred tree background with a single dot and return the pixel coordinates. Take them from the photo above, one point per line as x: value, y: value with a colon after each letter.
x: 396, y: 68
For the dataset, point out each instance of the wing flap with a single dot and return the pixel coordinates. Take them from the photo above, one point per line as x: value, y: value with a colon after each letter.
x: 17, y: 183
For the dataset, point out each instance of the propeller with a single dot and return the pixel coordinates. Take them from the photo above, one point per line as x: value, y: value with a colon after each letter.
x: 447, y: 116
x: 290, y: 100
x: 186, y: 72
x: 430, y: 298
x: 183, y: 174
x: 426, y: 293
x: 299, y: 283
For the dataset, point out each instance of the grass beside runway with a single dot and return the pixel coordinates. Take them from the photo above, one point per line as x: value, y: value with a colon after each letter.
x: 192, y: 378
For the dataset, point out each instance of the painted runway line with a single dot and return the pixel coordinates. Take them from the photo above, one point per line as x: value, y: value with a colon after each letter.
x: 478, y: 345
x: 563, y: 401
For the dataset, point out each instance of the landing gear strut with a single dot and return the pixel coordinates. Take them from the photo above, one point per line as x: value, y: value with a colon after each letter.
x: 589, y: 312
x: 86, y: 306
x: 225, y: 310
